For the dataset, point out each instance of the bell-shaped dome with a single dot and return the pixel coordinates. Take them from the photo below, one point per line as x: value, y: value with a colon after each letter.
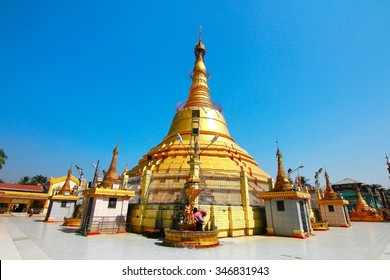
x: 223, y: 157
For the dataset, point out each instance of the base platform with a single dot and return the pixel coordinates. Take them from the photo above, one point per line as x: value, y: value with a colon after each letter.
x: 320, y: 226
x: 190, y: 239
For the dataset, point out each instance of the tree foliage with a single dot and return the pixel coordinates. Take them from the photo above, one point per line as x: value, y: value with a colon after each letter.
x: 3, y: 158
x: 25, y: 180
x: 305, y: 181
x: 36, y: 180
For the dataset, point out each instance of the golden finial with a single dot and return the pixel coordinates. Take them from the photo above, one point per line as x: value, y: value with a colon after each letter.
x: 199, y: 90
x: 282, y: 182
x: 111, y: 177
x: 200, y: 49
x: 329, y: 192
x: 65, y: 190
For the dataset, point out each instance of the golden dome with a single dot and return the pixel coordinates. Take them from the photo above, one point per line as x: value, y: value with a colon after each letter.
x: 224, y: 156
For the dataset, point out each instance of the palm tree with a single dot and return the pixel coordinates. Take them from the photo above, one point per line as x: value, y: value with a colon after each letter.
x: 3, y: 158
x: 38, y: 180
x: 305, y: 181
x: 25, y: 180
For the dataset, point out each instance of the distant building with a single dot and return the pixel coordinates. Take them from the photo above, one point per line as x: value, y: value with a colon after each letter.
x: 374, y: 195
x: 19, y: 198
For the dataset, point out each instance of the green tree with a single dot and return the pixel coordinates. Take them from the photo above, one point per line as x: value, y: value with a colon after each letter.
x: 3, y: 158
x: 25, y: 180
x: 38, y: 180
x: 305, y: 181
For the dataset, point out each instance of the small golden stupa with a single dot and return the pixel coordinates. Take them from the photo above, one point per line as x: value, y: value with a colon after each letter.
x: 363, y: 212
x: 65, y: 190
x: 105, y: 207
x: 333, y: 208
x: 229, y: 176
x: 62, y: 205
x: 287, y: 209
x: 111, y: 178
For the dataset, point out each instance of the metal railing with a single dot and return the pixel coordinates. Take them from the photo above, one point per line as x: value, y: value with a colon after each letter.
x: 103, y: 224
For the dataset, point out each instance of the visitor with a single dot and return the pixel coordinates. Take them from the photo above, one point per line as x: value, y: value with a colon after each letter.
x: 31, y: 212
x: 198, y: 219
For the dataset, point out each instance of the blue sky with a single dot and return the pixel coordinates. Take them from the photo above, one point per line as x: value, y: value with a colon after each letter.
x: 76, y: 75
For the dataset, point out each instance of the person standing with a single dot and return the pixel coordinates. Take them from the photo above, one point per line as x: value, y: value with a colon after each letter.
x: 198, y: 219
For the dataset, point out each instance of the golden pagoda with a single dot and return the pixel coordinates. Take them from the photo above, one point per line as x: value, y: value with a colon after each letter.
x: 105, y: 207
x: 111, y: 178
x: 63, y: 204
x: 229, y: 177
x: 333, y: 208
x: 363, y: 212
x: 287, y: 209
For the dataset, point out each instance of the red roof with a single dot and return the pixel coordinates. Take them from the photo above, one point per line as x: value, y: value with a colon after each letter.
x: 17, y: 187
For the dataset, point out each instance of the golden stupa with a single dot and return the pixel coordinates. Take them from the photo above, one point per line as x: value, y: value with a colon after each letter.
x: 60, y: 202
x: 286, y: 203
x: 363, y: 212
x: 333, y: 207
x: 66, y: 190
x: 111, y: 177
x: 229, y: 177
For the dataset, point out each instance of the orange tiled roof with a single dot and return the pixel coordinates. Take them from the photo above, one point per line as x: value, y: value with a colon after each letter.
x: 18, y: 187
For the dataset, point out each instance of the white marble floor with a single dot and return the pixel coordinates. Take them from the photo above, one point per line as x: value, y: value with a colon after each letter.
x: 24, y: 238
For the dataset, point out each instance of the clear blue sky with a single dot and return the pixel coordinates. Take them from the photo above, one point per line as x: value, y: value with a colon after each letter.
x: 76, y: 75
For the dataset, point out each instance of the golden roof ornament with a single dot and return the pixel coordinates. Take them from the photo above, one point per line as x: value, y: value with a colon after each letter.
x: 111, y: 177
x: 282, y: 182
x: 65, y: 190
x: 199, y: 90
x: 329, y: 192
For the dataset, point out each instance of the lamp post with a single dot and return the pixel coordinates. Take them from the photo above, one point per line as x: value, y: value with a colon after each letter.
x: 316, y: 177
x: 96, y: 175
x: 388, y: 165
x: 290, y: 171
x: 193, y: 181
x: 81, y: 173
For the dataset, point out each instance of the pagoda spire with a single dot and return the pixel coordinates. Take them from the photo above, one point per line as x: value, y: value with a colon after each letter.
x: 282, y: 182
x: 65, y: 190
x: 111, y: 177
x: 329, y: 192
x: 199, y: 90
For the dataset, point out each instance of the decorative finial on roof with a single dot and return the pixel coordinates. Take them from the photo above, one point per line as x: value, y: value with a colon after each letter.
x: 282, y: 182
x: 200, y: 49
x: 199, y: 90
x: 111, y: 177
x: 65, y: 190
x: 329, y: 192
